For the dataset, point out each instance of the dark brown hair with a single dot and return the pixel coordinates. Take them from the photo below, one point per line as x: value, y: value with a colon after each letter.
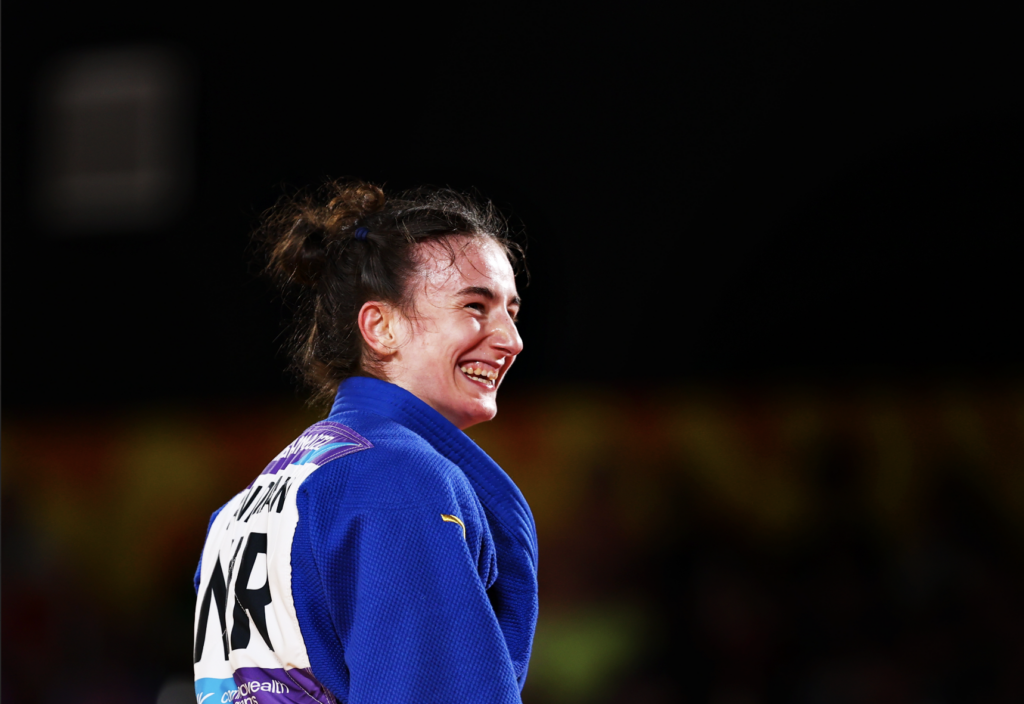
x: 347, y: 243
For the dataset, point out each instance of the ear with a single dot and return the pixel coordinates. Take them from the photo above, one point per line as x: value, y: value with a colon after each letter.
x: 378, y: 323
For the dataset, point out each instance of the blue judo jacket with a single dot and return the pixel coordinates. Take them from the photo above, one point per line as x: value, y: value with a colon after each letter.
x: 381, y: 557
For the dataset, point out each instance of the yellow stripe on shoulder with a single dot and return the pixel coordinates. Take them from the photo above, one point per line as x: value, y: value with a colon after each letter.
x: 454, y: 519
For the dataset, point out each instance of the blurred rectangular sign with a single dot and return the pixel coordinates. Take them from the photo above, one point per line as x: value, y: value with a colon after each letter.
x: 114, y: 142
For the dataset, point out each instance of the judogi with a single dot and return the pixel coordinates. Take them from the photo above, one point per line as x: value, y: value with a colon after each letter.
x: 382, y: 556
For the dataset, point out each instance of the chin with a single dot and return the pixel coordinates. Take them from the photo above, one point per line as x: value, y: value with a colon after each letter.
x: 479, y: 413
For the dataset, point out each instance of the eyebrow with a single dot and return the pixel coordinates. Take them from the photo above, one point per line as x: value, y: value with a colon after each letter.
x: 486, y: 293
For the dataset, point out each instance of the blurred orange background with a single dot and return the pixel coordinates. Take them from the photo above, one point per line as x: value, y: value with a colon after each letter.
x: 696, y: 544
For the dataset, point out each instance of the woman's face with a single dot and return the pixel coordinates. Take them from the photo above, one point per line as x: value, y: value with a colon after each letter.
x: 460, y: 339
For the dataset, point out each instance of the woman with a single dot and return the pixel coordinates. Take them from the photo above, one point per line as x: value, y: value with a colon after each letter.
x: 382, y: 556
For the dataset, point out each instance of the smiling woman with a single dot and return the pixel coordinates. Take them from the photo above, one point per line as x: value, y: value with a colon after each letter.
x: 381, y: 556
x: 454, y: 352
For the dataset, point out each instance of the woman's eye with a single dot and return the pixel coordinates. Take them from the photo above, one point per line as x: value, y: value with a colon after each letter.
x: 476, y: 306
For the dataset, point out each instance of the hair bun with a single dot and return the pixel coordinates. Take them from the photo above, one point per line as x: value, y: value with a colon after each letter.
x: 298, y: 231
x: 353, y: 200
x: 302, y: 254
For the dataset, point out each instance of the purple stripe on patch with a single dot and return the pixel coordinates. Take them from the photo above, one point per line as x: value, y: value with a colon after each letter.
x: 312, y: 446
x: 257, y: 685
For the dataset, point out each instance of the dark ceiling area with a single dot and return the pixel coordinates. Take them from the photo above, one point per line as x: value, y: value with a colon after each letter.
x: 709, y: 196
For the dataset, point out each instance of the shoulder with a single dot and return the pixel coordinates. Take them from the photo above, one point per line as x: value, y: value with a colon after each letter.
x: 401, y: 470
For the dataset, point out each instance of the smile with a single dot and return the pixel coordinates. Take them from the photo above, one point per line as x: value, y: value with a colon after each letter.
x: 480, y: 375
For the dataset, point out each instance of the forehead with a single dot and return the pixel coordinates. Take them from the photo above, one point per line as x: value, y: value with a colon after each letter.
x: 461, y: 262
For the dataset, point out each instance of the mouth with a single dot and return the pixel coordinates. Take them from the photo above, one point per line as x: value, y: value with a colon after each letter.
x: 480, y: 374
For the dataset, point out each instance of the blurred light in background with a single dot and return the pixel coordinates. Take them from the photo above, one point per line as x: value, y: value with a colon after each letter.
x: 787, y: 546
x: 114, y: 140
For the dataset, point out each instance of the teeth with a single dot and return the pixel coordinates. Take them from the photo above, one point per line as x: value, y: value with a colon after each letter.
x: 479, y: 373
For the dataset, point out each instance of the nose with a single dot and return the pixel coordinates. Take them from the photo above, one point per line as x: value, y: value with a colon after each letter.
x: 506, y: 337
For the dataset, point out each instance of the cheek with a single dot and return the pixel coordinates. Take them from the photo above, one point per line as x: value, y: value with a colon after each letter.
x: 462, y: 337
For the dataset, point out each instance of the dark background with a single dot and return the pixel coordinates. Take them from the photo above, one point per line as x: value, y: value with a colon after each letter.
x: 722, y: 193
x: 723, y: 196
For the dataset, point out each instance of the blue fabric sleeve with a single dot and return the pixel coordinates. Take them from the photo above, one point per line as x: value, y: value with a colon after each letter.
x: 391, y: 604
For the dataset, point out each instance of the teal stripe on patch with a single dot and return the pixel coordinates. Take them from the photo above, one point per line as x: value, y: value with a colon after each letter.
x: 213, y: 691
x: 313, y: 454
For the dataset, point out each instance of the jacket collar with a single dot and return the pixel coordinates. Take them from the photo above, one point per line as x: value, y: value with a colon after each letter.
x: 496, y: 489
